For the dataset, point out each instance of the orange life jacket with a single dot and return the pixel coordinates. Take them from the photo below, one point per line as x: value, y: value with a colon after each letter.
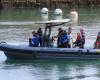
x: 97, y: 44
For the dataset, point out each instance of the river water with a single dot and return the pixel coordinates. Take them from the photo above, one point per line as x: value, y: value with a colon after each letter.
x: 89, y: 19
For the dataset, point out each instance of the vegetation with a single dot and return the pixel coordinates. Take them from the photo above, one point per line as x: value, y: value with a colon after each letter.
x: 48, y: 3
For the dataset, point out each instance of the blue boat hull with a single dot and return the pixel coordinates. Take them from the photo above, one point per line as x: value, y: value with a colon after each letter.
x: 22, y: 52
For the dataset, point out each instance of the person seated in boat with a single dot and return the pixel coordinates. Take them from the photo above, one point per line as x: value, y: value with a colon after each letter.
x: 40, y: 34
x: 70, y: 42
x: 35, y: 39
x: 97, y: 42
x: 83, y: 37
x: 78, y: 42
x: 62, y: 40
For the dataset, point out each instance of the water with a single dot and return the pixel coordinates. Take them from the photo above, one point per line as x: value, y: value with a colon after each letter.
x: 47, y: 70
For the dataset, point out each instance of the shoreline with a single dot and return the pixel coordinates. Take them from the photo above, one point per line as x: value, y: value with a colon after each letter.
x: 48, y: 3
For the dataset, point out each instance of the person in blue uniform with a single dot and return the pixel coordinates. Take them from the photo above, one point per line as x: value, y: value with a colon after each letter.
x: 65, y: 39
x: 35, y: 39
x: 40, y: 35
x: 59, y: 36
x: 62, y: 39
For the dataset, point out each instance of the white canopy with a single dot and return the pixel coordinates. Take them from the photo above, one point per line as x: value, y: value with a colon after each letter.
x: 33, y: 22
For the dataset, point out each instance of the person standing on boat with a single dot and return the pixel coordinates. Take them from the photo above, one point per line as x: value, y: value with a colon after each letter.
x: 35, y: 39
x: 65, y: 39
x: 82, y: 37
x: 70, y: 42
x: 59, y: 37
x: 97, y: 42
x: 40, y: 33
x: 62, y: 39
x: 59, y: 31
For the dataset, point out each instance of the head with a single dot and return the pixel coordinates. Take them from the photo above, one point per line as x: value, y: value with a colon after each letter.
x: 61, y: 32
x: 59, y: 29
x: 69, y: 30
x: 81, y: 30
x: 98, y: 33
x: 78, y: 34
x: 64, y: 32
x: 33, y: 33
x: 39, y: 29
x: 98, y: 36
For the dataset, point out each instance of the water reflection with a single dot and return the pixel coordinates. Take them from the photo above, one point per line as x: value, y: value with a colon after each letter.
x: 51, y: 70
x: 70, y: 70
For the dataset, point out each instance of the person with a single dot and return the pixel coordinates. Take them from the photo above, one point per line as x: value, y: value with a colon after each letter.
x: 40, y: 34
x: 70, y: 42
x: 59, y: 35
x: 62, y: 40
x: 59, y: 39
x: 97, y: 42
x: 59, y: 31
x: 83, y: 37
x: 65, y: 39
x: 35, y: 39
x: 78, y: 40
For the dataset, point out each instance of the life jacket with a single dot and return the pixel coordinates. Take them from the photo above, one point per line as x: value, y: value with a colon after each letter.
x: 78, y: 36
x: 78, y: 41
x: 65, y: 38
x: 97, y: 45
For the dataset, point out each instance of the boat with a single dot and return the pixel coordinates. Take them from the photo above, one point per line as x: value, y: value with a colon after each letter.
x: 47, y: 52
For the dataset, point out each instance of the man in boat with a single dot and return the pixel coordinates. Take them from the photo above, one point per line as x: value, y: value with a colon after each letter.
x: 62, y: 40
x: 97, y: 42
x: 80, y: 40
x: 35, y: 39
x: 83, y: 37
x: 65, y: 40
x: 40, y: 33
x: 70, y: 42
x: 59, y: 37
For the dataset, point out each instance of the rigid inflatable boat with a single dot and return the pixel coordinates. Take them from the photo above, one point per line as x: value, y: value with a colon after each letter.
x: 46, y: 52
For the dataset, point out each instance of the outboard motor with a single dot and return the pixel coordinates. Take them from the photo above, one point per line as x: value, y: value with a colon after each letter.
x: 44, y: 14
x: 74, y: 17
x: 58, y: 14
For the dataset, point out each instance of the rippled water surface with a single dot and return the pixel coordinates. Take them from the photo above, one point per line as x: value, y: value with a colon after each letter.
x: 47, y: 70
